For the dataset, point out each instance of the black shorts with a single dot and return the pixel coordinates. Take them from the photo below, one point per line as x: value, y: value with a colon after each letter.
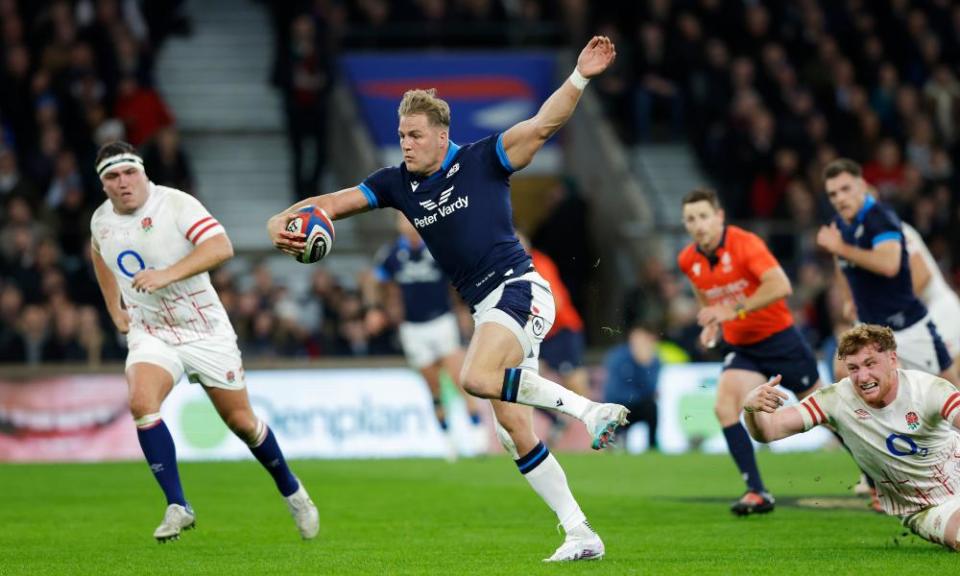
x: 563, y: 351
x: 786, y: 352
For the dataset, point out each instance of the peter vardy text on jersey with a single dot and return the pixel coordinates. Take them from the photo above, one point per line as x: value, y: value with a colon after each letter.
x: 442, y: 212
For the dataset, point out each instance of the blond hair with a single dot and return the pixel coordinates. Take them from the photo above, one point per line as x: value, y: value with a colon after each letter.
x: 859, y: 337
x: 425, y: 102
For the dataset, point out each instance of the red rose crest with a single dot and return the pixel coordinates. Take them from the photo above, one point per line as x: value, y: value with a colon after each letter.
x: 913, y: 421
x: 146, y: 224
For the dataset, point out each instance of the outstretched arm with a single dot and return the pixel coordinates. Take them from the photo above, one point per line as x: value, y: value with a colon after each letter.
x: 522, y: 141
x: 337, y: 205
x: 765, y: 419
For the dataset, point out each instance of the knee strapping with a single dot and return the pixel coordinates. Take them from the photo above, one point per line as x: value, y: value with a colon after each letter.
x: 147, y: 421
x: 259, y: 434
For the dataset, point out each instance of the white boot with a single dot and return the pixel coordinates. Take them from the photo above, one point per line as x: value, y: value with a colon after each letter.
x: 602, y: 421
x: 581, y: 543
x: 176, y: 519
x: 304, y: 512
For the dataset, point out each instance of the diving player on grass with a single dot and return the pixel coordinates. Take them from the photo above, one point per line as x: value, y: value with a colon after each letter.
x: 458, y: 198
x: 900, y: 426
x: 152, y: 247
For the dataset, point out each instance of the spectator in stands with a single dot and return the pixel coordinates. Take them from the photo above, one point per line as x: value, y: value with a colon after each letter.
x: 886, y: 171
x: 32, y: 334
x: 96, y: 346
x: 64, y: 342
x: 12, y: 181
x: 142, y: 111
x: 656, y: 86
x: 942, y: 92
x: 305, y: 76
x: 319, y: 311
x: 167, y: 162
x: 633, y: 370
x: 11, y: 304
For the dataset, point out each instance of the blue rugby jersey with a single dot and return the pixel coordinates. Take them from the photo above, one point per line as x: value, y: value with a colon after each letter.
x: 879, y: 299
x: 425, y: 288
x: 463, y: 213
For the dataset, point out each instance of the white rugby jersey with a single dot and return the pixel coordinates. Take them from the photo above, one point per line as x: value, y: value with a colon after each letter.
x: 938, y: 296
x: 165, y: 229
x: 909, y: 447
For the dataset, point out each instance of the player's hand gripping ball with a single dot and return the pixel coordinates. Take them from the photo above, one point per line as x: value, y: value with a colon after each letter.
x: 318, y: 229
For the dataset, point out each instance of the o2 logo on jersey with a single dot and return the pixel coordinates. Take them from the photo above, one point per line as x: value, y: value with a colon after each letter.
x: 903, y: 445
x: 130, y: 258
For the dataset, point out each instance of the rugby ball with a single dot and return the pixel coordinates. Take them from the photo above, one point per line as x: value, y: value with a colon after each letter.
x: 318, y: 229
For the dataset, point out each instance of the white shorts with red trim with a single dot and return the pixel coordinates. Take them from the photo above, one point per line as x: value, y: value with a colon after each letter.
x: 213, y: 361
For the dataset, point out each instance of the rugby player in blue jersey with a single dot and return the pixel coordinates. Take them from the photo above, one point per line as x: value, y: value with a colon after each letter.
x: 429, y: 333
x: 868, y: 245
x: 458, y: 198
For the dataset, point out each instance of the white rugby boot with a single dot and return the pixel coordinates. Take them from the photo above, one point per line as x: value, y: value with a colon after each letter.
x: 176, y: 519
x: 602, y: 421
x: 304, y: 512
x: 581, y: 543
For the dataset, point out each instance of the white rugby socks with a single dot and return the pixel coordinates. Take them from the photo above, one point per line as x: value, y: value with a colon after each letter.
x: 547, y: 479
x: 528, y: 387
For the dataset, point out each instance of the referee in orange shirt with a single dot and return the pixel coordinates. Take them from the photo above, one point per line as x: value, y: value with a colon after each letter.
x: 742, y: 291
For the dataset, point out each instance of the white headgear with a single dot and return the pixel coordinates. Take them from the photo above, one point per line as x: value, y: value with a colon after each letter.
x: 119, y: 160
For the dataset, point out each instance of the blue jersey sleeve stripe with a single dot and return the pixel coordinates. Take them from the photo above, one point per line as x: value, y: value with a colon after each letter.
x: 886, y: 237
x: 502, y: 155
x: 371, y: 197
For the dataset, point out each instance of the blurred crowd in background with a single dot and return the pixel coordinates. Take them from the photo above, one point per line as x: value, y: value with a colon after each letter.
x: 766, y: 93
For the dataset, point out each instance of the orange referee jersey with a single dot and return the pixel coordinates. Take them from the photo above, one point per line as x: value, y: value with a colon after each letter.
x: 567, y: 315
x: 738, y: 263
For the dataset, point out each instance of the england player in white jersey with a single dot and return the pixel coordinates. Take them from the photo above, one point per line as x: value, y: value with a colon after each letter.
x: 152, y: 249
x: 901, y: 427
x: 931, y: 287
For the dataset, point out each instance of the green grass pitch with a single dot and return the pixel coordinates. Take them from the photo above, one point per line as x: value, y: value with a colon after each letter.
x: 657, y: 514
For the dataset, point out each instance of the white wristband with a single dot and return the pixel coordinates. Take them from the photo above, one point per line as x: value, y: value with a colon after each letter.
x: 578, y: 80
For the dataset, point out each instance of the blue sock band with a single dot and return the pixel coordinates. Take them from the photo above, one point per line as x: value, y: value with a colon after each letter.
x: 269, y: 454
x: 438, y: 410
x: 533, y: 458
x: 511, y: 385
x: 157, y: 445
x: 740, y: 447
